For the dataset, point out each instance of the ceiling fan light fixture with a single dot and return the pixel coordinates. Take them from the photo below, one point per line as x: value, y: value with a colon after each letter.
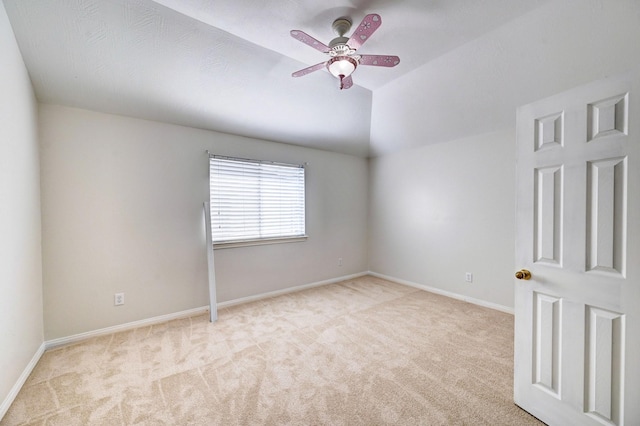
x: 342, y: 66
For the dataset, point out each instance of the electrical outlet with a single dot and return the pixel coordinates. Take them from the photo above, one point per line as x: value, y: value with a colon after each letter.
x: 118, y: 299
x: 339, y: 261
x: 468, y: 277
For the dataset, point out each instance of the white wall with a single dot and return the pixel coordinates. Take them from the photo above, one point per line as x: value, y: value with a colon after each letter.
x: 453, y: 200
x: 122, y: 212
x: 21, y: 333
x: 442, y: 210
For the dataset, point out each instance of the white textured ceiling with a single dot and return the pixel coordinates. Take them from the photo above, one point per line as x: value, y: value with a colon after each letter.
x: 226, y: 65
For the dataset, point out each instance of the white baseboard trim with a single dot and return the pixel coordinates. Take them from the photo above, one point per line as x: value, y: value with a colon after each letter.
x: 123, y: 327
x: 464, y: 298
x: 21, y: 380
x: 49, y: 344
x: 288, y: 290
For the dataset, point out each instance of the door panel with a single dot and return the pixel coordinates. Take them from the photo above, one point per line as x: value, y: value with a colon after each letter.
x: 548, y: 215
x: 606, y: 218
x: 578, y: 223
x: 605, y: 364
x: 547, y: 323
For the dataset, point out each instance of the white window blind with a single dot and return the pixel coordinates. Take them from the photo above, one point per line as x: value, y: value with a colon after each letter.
x: 255, y: 200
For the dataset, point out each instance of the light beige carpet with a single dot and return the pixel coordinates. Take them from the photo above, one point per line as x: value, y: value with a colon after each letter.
x: 361, y: 352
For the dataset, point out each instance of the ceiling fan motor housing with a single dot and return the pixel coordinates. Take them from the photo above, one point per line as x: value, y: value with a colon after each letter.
x: 338, y: 41
x: 341, y: 49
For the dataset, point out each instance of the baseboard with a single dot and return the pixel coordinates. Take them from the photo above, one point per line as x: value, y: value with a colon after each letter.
x: 123, y: 327
x: 21, y: 380
x: 288, y: 290
x: 49, y: 344
x: 464, y: 298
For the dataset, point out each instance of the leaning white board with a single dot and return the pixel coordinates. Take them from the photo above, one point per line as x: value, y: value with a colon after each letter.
x: 213, y: 304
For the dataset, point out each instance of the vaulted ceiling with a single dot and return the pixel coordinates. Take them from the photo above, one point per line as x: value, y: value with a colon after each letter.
x: 226, y: 65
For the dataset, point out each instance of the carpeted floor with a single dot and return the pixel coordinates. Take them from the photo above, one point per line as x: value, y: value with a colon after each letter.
x: 361, y: 352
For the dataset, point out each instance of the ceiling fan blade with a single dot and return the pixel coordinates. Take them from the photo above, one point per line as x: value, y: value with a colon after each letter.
x: 309, y: 70
x: 346, y: 83
x: 379, y: 60
x: 310, y: 41
x: 368, y: 26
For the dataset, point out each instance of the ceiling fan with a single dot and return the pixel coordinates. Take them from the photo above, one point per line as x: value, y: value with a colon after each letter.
x: 342, y: 50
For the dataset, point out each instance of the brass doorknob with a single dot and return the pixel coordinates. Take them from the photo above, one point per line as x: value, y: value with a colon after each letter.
x: 523, y: 274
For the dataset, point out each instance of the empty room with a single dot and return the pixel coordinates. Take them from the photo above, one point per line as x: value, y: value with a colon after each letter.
x: 351, y: 212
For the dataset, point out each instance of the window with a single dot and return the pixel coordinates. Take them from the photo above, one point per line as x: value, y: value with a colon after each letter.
x: 255, y: 202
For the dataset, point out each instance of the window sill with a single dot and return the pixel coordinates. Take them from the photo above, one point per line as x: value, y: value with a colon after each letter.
x: 260, y: 242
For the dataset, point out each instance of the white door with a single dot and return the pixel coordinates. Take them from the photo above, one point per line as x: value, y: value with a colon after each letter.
x: 577, y: 319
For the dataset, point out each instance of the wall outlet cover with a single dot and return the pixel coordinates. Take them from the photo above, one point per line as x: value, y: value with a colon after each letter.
x: 118, y: 299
